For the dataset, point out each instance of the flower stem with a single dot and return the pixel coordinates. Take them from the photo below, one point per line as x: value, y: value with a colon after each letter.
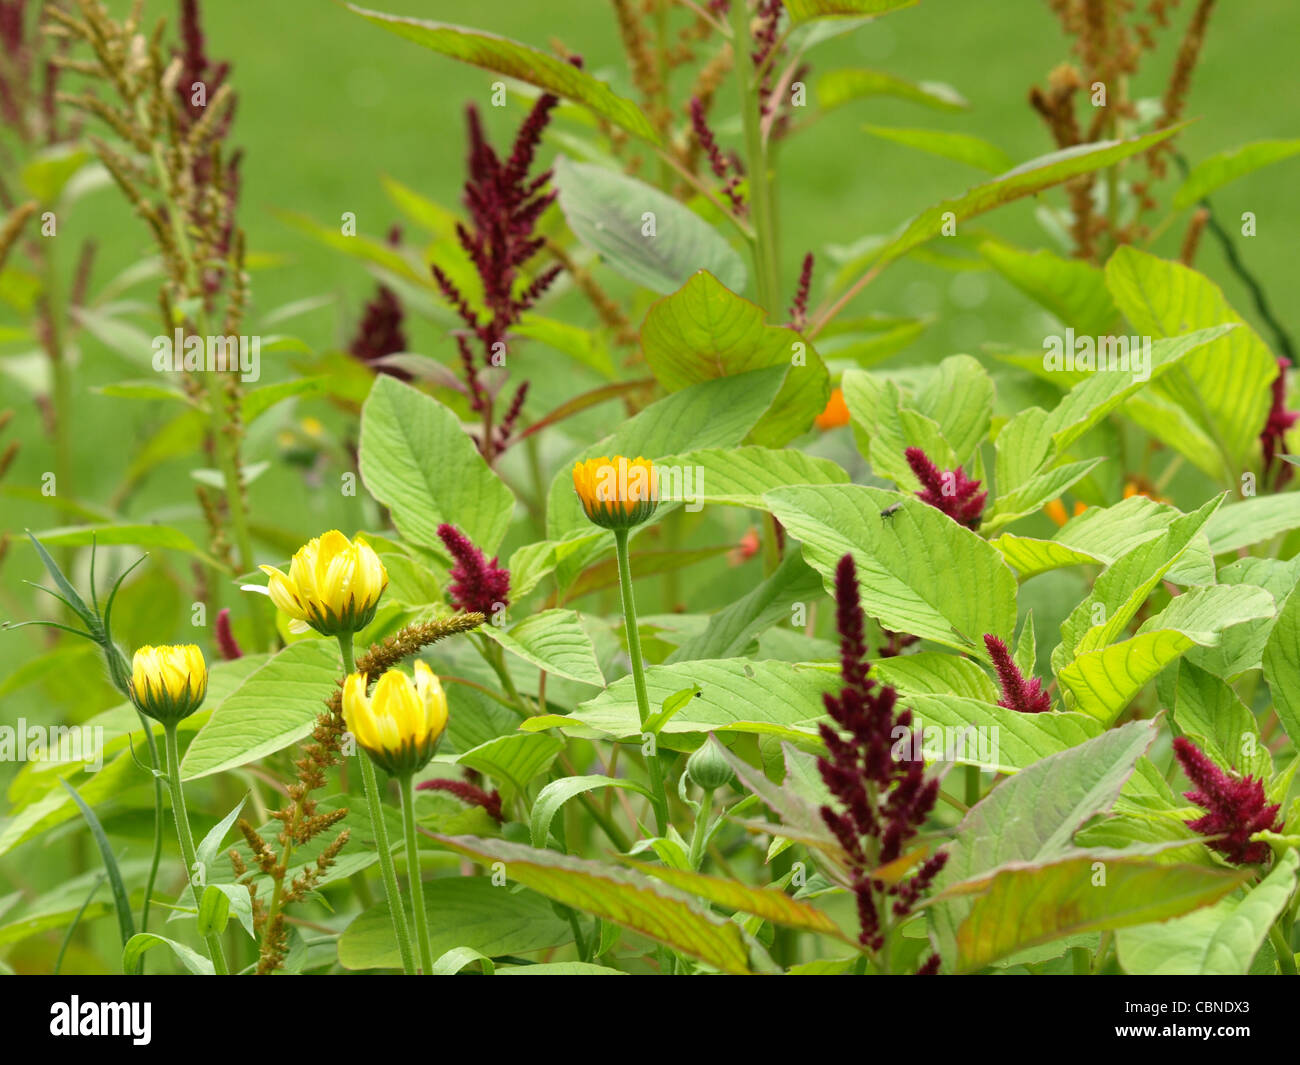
x: 407, y: 788
x: 1285, y: 956
x: 371, y: 787
x: 213, y: 941
x: 701, y: 831
x: 157, y: 821
x: 659, y: 797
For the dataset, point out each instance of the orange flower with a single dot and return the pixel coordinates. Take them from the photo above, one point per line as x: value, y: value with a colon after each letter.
x: 617, y: 493
x: 1056, y: 511
x: 1137, y: 485
x: 835, y: 414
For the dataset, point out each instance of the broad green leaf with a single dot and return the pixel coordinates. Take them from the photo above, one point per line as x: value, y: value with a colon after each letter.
x: 1036, y: 493
x: 1027, y: 907
x: 704, y: 331
x: 417, y: 460
x: 935, y: 673
x: 1207, y: 709
x: 1223, y: 387
x: 958, y: 397
x: 882, y: 415
x: 629, y: 899
x: 514, y: 760
x: 732, y: 631
x: 1220, y: 940
x: 767, y: 903
x: 553, y: 640
x: 463, y: 912
x: 1216, y: 171
x: 1030, y: 818
x: 558, y: 792
x: 582, y: 345
x: 1025, y: 180
x: 560, y: 968
x: 918, y: 570
x: 275, y: 707
x: 1101, y: 683
x: 736, y: 695
x: 1252, y: 521
x: 1073, y: 290
x: 741, y: 476
x: 838, y: 87
x: 606, y: 211
x: 1002, y: 740
x: 518, y: 61
x: 1029, y: 556
x: 961, y: 147
x: 1282, y: 666
x: 1204, y: 613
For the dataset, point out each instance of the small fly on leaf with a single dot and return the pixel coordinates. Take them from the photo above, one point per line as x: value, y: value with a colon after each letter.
x: 891, y: 510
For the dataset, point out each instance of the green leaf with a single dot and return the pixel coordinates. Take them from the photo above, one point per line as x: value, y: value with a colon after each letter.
x: 918, y: 570
x: 606, y: 209
x: 767, y: 903
x: 418, y: 461
x: 1073, y: 290
x: 1282, y: 666
x: 1218, y: 170
x: 105, y: 535
x: 121, y: 901
x: 558, y: 792
x: 1003, y: 740
x: 1025, y: 180
x: 214, y: 911
x: 1223, y: 387
x: 1207, y: 709
x: 741, y: 476
x: 736, y: 695
x: 519, y: 61
x: 513, y: 760
x: 1220, y: 940
x: 1252, y: 521
x: 731, y: 632
x: 1030, y: 818
x: 935, y: 673
x: 838, y: 87
x: 962, y: 147
x: 1101, y: 683
x: 275, y: 707
x: 142, y: 942
x: 704, y: 331
x: 1027, y: 907
x: 626, y: 898
x: 463, y: 912
x: 553, y: 640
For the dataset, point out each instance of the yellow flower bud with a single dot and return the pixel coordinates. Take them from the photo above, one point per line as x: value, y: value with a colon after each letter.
x: 333, y: 585
x: 169, y: 683
x: 617, y: 493
x: 400, y: 725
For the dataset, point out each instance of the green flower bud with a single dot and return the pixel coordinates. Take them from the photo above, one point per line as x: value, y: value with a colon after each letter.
x: 708, y: 768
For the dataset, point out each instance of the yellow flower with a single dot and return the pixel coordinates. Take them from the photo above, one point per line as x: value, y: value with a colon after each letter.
x: 617, y: 493
x: 400, y: 725
x: 169, y: 683
x: 333, y: 586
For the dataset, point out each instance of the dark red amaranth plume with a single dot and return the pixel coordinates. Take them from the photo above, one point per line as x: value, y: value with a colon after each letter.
x: 478, y: 586
x: 1019, y: 693
x: 880, y: 783
x: 895, y: 642
x: 724, y: 169
x: 1237, y: 806
x: 226, y: 642
x: 467, y: 793
x: 504, y: 204
x: 948, y: 490
x: 799, y: 309
x: 380, y: 331
x: 1275, y: 426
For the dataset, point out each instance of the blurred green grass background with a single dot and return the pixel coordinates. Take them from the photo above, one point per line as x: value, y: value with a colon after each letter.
x: 328, y: 104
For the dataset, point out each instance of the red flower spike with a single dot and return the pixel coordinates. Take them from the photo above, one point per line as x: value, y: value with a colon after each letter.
x: 948, y: 490
x: 1019, y: 693
x: 478, y: 585
x: 226, y: 642
x: 1237, y: 806
x: 799, y: 309
x: 1277, y: 423
x: 883, y: 797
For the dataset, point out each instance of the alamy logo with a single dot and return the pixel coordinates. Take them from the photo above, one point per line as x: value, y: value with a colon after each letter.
x: 102, y: 1018
x: 214, y: 354
x: 1109, y: 354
